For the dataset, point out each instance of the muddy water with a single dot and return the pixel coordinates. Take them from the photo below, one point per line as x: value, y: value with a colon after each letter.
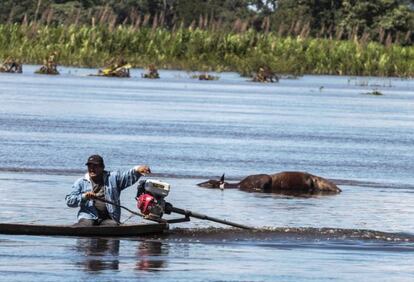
x: 189, y: 131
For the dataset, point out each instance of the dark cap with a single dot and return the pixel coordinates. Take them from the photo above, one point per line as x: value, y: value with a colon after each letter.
x: 95, y: 159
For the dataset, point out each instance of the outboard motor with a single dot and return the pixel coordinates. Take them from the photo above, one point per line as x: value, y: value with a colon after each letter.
x: 150, y: 197
x: 150, y: 201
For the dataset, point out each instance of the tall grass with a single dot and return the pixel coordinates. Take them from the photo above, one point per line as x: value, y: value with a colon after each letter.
x: 197, y: 49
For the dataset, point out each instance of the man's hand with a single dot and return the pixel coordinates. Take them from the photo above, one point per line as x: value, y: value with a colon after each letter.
x: 143, y: 169
x: 89, y: 195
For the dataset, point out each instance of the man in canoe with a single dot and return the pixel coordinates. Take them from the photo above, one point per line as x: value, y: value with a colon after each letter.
x: 105, y: 185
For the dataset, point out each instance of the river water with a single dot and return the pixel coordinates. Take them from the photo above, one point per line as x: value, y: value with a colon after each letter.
x: 189, y: 131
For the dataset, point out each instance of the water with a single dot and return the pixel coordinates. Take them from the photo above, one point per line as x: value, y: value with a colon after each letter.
x: 189, y: 131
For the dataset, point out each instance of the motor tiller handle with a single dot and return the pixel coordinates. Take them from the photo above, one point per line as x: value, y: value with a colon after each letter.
x: 169, y: 208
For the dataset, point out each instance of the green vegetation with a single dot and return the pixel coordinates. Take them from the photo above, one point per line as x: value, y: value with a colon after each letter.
x: 374, y: 20
x: 203, y: 50
x: 346, y: 37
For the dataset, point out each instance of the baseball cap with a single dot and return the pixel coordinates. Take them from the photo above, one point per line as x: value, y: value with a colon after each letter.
x: 95, y: 159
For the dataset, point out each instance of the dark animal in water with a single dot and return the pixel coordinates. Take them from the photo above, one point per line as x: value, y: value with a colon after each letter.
x: 288, y: 182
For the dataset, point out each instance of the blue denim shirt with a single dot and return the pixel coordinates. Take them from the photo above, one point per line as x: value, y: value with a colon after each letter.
x: 114, y: 183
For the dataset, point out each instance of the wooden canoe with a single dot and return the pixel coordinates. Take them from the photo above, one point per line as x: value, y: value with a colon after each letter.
x: 127, y: 230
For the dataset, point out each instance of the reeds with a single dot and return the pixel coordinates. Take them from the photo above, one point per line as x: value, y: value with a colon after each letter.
x: 202, y: 49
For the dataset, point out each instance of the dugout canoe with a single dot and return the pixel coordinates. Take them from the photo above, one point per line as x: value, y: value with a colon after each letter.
x: 127, y: 230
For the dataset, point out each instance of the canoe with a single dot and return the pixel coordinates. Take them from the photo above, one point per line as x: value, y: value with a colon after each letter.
x: 127, y: 230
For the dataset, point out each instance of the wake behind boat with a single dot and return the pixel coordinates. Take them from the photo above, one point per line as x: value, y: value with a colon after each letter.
x: 123, y: 230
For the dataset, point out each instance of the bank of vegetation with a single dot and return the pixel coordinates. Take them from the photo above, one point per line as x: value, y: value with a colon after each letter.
x: 343, y: 37
x: 197, y: 49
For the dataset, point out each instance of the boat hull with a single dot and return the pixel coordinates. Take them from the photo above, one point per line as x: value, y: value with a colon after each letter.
x: 130, y: 230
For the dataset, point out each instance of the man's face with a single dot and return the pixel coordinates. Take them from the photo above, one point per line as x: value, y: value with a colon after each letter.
x: 95, y: 171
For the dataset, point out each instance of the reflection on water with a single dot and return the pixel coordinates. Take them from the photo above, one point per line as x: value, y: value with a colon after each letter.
x: 150, y: 256
x: 99, y: 254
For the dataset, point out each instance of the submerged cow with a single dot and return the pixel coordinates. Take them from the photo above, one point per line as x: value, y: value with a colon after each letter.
x: 288, y: 182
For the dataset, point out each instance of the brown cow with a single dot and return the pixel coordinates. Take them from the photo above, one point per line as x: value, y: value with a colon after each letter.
x: 288, y: 182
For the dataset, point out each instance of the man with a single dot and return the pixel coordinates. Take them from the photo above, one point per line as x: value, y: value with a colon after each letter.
x: 101, y: 184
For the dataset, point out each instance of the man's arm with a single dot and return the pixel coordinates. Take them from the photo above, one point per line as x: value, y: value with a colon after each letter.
x: 130, y: 177
x: 75, y: 198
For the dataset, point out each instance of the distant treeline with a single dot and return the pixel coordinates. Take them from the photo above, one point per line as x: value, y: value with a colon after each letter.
x: 199, y: 49
x: 384, y: 21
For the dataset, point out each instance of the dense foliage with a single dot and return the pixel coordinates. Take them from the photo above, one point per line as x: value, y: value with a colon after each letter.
x: 379, y: 20
x: 353, y: 37
x: 198, y: 49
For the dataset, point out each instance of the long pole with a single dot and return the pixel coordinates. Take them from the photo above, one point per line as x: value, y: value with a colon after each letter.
x: 206, y: 217
x: 187, y: 213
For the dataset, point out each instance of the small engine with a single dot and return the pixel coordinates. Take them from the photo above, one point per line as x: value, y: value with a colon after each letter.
x: 150, y: 197
x: 151, y: 203
x: 157, y: 188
